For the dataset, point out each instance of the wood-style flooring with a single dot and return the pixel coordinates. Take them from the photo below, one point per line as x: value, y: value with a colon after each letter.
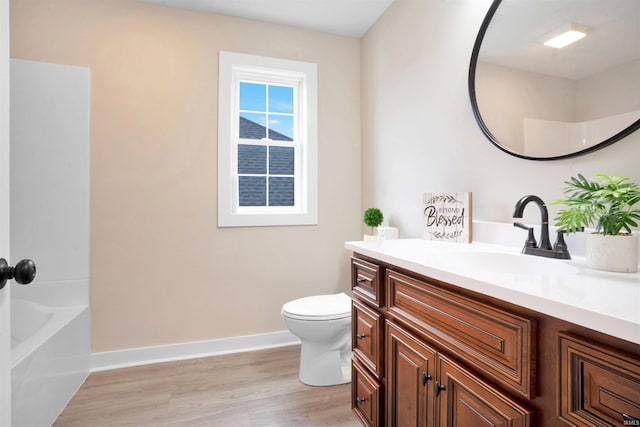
x: 258, y: 388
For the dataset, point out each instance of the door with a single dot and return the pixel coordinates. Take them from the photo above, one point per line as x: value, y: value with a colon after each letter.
x: 465, y: 400
x: 410, y: 366
x: 5, y: 324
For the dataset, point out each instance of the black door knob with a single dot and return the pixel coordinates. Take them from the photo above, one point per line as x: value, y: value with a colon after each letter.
x: 24, y: 272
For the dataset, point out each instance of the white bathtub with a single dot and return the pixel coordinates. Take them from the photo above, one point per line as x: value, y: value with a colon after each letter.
x: 50, y: 349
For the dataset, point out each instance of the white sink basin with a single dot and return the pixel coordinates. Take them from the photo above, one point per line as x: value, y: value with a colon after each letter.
x: 504, y: 263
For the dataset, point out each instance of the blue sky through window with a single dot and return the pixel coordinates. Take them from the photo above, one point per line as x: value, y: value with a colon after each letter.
x: 256, y: 97
x: 253, y: 97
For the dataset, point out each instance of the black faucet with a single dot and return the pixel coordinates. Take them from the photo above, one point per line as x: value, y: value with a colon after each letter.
x: 558, y: 250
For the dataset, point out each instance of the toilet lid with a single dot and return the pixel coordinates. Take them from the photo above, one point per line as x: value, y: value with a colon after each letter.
x: 319, y: 307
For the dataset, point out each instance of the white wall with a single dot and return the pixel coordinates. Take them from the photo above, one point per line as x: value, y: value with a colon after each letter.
x: 597, y: 107
x: 419, y: 133
x: 614, y: 91
x: 505, y: 96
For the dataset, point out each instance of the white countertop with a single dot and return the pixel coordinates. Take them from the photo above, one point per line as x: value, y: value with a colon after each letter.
x: 565, y: 289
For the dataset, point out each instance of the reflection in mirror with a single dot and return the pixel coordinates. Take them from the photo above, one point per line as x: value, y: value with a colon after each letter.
x: 543, y: 103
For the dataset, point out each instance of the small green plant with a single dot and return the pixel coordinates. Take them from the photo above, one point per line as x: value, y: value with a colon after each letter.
x: 607, y: 202
x: 373, y: 217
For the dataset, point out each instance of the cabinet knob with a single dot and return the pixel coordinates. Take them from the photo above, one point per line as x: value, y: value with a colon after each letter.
x: 360, y: 336
x: 361, y: 281
x: 425, y: 378
x: 360, y: 399
x: 438, y: 388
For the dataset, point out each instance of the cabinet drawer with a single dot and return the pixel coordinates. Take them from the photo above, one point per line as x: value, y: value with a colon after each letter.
x: 366, y: 393
x: 497, y: 343
x: 597, y: 385
x: 367, y: 338
x: 365, y: 281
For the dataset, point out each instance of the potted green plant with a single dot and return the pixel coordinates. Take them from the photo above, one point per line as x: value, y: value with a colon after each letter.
x: 373, y: 218
x: 608, y: 203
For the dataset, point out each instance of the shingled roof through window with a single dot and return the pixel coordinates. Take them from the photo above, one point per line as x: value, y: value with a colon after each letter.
x: 252, y: 159
x: 252, y: 130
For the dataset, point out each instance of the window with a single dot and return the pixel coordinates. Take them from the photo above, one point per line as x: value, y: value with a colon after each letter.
x: 267, y: 141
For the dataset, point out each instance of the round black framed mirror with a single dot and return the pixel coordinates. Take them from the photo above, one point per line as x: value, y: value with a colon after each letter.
x: 539, y: 102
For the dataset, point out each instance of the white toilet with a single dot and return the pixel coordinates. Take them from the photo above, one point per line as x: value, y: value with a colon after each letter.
x: 323, y: 324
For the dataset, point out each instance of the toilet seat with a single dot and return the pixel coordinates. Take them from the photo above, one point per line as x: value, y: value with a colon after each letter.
x: 319, y: 307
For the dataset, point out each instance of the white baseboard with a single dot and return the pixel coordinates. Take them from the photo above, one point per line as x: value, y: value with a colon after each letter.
x: 189, y: 350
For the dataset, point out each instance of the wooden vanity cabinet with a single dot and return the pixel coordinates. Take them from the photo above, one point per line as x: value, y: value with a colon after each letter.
x: 437, y: 354
x: 410, y: 382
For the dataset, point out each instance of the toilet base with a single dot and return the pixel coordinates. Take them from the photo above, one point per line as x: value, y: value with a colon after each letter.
x: 319, y: 367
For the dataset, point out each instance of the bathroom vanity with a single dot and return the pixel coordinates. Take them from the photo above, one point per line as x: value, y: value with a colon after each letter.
x: 468, y: 335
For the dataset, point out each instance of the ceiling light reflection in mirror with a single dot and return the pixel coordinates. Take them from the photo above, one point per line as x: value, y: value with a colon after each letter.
x: 569, y: 34
x: 541, y: 102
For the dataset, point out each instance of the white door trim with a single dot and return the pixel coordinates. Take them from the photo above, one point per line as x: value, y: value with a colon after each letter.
x: 5, y: 323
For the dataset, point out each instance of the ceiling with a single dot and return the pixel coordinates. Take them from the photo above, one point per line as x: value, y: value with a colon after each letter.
x: 515, y: 35
x: 343, y: 17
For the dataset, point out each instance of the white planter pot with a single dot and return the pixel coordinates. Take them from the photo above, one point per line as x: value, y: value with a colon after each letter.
x: 613, y: 253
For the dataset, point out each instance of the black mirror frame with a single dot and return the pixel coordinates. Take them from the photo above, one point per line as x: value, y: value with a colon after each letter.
x: 476, y: 112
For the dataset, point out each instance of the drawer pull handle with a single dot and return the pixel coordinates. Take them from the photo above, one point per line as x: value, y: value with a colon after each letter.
x: 629, y: 420
x: 361, y: 281
x: 360, y: 336
x: 438, y: 388
x: 425, y: 378
x: 360, y: 399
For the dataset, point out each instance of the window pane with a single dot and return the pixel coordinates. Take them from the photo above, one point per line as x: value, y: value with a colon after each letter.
x: 281, y: 99
x: 253, y: 96
x: 252, y: 159
x: 281, y: 160
x: 280, y: 127
x: 281, y: 191
x: 252, y: 190
x: 252, y: 126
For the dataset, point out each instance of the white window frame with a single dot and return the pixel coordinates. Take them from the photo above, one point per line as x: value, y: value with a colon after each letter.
x: 233, y: 68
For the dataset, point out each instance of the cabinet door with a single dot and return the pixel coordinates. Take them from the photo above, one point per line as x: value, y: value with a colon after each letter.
x: 598, y: 386
x: 409, y: 373
x: 465, y: 400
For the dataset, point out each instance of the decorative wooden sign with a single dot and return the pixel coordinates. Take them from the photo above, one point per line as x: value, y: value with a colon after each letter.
x: 447, y: 216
